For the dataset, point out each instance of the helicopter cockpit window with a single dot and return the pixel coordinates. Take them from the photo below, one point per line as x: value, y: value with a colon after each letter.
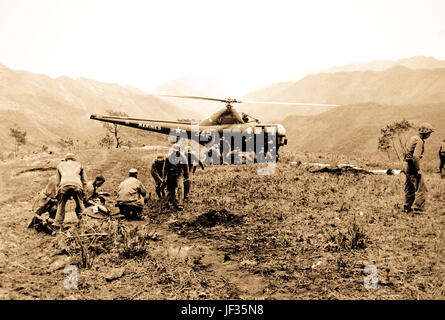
x: 229, y: 117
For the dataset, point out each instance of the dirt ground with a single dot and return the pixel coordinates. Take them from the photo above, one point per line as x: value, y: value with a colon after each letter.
x: 291, y: 235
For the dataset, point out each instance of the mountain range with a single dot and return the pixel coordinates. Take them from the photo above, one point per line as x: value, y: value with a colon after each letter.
x: 53, y: 109
x: 418, y: 62
x: 355, y: 128
x: 382, y: 81
x: 397, y: 85
x: 50, y: 109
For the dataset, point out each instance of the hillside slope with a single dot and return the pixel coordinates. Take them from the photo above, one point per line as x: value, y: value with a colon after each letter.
x: 356, y: 128
x: 50, y: 109
x: 397, y: 85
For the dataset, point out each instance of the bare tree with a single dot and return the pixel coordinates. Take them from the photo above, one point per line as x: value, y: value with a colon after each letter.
x: 114, y: 129
x: 19, y: 137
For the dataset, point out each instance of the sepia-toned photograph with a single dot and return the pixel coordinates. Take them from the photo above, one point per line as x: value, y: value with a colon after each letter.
x: 241, y: 151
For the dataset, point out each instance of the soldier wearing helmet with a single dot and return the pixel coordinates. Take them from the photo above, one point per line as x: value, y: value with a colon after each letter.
x: 442, y: 157
x: 192, y: 163
x: 175, y: 170
x: 157, y: 172
x: 71, y: 181
x: 415, y: 188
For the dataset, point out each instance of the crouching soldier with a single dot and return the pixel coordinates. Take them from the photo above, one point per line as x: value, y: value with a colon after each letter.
x: 71, y: 183
x: 131, y: 196
x: 176, y: 169
x: 157, y: 172
x: 46, y: 201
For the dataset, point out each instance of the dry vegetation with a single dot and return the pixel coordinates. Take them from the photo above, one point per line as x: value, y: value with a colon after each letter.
x: 290, y: 235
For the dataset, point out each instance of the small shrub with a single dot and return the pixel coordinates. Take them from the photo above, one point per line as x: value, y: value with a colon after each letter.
x: 352, y: 239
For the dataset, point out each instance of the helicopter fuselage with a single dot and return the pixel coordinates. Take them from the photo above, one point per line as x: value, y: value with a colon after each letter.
x: 209, y: 129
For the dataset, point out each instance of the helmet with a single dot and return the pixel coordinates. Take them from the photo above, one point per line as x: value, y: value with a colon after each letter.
x: 100, y: 178
x: 425, y: 127
x: 160, y: 157
x: 70, y: 156
x: 133, y: 170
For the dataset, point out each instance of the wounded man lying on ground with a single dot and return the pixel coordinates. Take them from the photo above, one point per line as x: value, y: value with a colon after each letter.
x: 91, y: 193
x: 98, y: 209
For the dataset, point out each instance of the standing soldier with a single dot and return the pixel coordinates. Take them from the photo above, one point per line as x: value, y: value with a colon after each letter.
x: 176, y: 169
x: 71, y: 182
x: 442, y: 157
x: 224, y: 150
x: 131, y: 196
x: 192, y: 163
x: 415, y: 188
x: 157, y: 172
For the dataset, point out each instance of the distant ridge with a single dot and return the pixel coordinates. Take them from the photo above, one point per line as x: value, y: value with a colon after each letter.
x: 419, y: 62
x: 396, y: 85
x: 355, y: 128
x: 50, y: 109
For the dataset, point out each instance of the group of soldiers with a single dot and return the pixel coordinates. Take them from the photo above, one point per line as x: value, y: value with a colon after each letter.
x: 175, y: 176
x: 70, y: 182
x: 173, y: 180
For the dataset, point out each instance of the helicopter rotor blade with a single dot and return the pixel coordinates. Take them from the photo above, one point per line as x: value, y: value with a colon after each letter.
x: 195, y: 97
x: 253, y: 102
x: 291, y: 103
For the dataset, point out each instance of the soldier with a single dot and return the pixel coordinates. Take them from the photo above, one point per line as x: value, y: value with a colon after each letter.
x: 132, y: 196
x: 71, y: 182
x: 192, y: 164
x: 176, y: 169
x: 91, y: 193
x: 212, y: 153
x: 415, y: 188
x: 157, y: 172
x: 97, y: 208
x: 46, y: 201
x: 224, y: 150
x: 442, y: 157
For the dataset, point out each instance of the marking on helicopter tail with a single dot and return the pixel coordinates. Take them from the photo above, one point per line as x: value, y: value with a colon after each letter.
x: 150, y: 126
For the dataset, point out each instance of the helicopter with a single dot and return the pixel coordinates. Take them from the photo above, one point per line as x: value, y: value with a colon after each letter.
x: 226, y: 130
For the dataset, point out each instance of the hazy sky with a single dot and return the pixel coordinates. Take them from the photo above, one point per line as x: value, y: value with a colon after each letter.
x: 246, y: 44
